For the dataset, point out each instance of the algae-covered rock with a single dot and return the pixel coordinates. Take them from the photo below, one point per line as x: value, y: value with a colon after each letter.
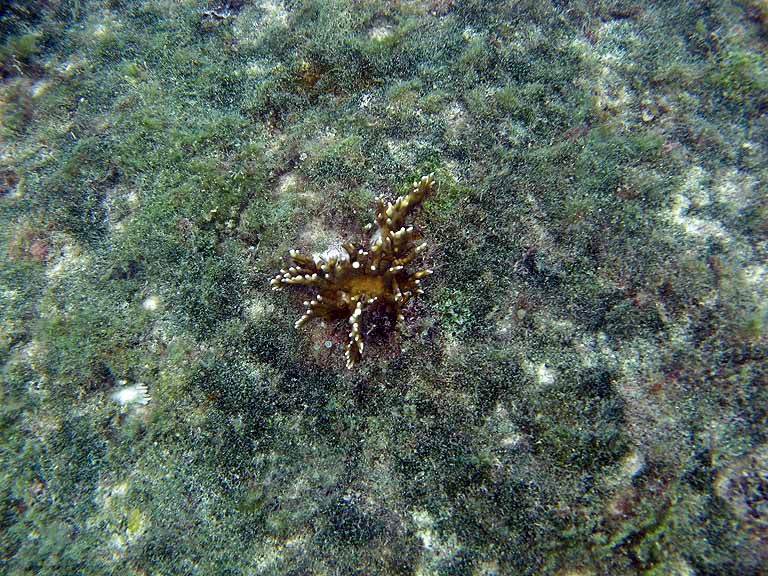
x: 579, y: 389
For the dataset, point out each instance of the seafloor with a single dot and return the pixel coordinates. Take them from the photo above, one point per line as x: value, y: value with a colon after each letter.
x: 581, y: 389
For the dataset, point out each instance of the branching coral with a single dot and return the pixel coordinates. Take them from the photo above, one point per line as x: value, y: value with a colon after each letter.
x: 357, y: 283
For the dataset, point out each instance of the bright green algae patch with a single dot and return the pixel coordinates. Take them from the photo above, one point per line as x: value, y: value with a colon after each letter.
x: 578, y: 392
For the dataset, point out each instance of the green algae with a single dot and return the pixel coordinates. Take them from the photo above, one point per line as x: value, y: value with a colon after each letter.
x: 580, y: 388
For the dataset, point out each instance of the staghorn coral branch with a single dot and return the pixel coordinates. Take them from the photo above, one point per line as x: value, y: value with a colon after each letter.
x: 358, y: 282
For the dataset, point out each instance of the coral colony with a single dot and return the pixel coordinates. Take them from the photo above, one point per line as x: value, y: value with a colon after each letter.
x: 358, y: 280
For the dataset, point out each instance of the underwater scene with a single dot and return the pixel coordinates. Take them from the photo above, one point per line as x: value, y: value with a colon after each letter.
x: 367, y: 287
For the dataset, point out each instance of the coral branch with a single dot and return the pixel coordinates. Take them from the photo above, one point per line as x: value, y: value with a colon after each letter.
x: 358, y: 282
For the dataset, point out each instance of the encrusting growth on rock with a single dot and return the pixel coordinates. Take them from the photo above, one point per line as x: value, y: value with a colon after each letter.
x: 359, y: 282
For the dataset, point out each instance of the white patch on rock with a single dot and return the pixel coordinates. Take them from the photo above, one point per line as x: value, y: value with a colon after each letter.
x: 151, y: 303
x: 380, y: 33
x: 130, y: 395
x: 545, y: 374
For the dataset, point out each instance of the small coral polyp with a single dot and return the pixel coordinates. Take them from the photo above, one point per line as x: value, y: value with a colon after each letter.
x: 362, y: 279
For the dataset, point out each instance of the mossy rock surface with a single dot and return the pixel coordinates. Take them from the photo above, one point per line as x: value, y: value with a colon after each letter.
x: 579, y: 390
